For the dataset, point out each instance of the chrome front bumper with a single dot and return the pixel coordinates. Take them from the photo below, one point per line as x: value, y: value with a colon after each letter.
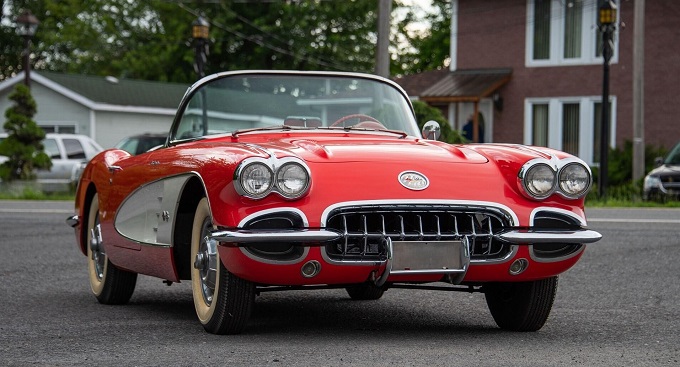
x: 319, y: 237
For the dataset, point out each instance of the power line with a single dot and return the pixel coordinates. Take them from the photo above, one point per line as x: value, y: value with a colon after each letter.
x: 260, y: 42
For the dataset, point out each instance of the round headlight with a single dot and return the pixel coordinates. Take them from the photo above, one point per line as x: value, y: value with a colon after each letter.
x: 292, y: 179
x: 539, y: 181
x: 574, y: 180
x: 256, y: 179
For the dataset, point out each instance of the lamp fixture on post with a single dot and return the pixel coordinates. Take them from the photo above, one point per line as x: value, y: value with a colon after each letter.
x: 200, y: 30
x: 607, y: 24
x: 27, y: 25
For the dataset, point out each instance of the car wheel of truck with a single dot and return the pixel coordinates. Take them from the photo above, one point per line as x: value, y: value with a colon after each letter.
x: 223, y: 301
x: 111, y: 286
x: 521, y: 306
x: 365, y: 292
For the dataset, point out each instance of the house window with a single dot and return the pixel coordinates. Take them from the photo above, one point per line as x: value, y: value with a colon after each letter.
x: 570, y: 127
x: 570, y: 124
x: 540, y: 124
x: 541, y: 40
x: 597, y: 126
x: 58, y: 128
x: 563, y: 32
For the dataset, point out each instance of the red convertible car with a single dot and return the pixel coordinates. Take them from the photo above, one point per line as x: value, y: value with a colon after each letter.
x: 307, y: 180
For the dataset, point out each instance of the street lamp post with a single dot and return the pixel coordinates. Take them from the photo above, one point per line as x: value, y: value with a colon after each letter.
x: 607, y: 24
x: 27, y: 24
x: 200, y: 29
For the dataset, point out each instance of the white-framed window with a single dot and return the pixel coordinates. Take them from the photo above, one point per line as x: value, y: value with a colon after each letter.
x: 570, y: 124
x: 59, y: 127
x: 564, y: 32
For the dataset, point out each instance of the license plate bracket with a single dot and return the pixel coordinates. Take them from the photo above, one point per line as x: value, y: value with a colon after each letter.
x: 430, y: 256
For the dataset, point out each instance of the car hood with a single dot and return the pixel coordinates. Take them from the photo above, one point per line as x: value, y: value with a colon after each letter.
x: 370, y: 149
x: 666, y: 170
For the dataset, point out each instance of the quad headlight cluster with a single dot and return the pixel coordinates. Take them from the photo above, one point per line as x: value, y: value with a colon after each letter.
x: 540, y: 178
x: 256, y: 178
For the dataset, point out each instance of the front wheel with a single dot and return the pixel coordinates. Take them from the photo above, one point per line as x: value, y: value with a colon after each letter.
x: 365, y: 292
x: 111, y: 286
x: 223, y: 301
x: 522, y: 306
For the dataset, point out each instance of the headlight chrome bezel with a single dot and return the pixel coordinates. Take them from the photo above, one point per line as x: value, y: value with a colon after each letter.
x: 276, y: 167
x: 526, y: 182
x: 558, y: 167
x: 568, y: 164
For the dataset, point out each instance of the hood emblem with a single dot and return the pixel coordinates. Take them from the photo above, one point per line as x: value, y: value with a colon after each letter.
x: 413, y: 180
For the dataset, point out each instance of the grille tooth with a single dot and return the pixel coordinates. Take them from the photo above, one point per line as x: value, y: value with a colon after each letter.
x: 366, y: 248
x: 364, y: 229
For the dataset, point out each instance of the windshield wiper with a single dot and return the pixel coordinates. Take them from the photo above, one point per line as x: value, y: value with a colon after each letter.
x: 401, y: 134
x: 268, y: 128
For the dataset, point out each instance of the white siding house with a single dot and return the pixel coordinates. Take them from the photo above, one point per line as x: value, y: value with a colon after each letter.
x: 105, y: 108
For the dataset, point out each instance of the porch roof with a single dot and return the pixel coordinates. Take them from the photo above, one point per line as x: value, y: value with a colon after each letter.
x: 443, y: 86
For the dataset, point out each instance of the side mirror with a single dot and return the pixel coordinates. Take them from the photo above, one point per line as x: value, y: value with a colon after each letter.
x: 658, y: 161
x: 432, y: 130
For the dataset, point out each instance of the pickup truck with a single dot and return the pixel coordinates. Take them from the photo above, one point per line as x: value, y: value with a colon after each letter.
x: 69, y: 153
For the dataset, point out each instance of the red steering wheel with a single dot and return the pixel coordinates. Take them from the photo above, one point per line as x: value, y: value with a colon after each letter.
x: 359, y: 116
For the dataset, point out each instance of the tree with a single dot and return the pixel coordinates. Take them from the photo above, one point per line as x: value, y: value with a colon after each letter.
x: 23, y: 145
x: 428, y: 49
x: 151, y: 39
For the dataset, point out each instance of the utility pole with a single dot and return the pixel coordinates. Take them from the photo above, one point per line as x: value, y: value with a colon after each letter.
x: 382, y: 53
x: 639, y: 90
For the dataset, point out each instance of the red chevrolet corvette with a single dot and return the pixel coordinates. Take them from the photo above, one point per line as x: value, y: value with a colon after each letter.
x: 307, y: 180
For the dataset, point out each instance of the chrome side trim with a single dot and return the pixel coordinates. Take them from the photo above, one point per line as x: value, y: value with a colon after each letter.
x: 538, y: 236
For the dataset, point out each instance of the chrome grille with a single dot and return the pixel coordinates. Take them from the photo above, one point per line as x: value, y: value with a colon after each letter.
x: 364, y: 229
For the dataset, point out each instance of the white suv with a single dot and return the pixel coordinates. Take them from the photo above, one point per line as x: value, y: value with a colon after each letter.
x: 69, y: 153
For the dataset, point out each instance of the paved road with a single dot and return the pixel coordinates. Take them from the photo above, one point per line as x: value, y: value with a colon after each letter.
x: 619, y: 306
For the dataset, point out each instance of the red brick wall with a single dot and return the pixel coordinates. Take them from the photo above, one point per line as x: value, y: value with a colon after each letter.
x: 492, y: 34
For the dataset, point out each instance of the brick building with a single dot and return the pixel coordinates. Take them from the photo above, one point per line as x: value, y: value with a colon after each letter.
x: 534, y: 70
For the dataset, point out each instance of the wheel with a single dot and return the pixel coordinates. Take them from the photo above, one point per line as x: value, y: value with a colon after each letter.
x: 111, y: 286
x: 223, y: 301
x: 523, y: 306
x: 365, y: 292
x: 359, y: 116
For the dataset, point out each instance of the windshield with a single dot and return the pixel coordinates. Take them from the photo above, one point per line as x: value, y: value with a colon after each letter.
x: 674, y: 157
x: 300, y: 101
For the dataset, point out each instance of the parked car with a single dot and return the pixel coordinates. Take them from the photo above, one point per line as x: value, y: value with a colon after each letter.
x: 69, y: 154
x: 663, y: 182
x: 141, y: 143
x: 280, y: 180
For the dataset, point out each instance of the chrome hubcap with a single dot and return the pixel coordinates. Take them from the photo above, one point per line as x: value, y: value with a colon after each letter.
x: 206, y: 264
x: 97, y: 250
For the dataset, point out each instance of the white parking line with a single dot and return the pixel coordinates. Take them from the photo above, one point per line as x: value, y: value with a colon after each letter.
x: 632, y: 220
x: 36, y: 211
